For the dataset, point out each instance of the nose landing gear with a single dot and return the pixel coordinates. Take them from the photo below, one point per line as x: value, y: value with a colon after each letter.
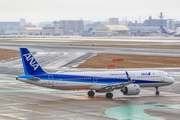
x: 157, y: 92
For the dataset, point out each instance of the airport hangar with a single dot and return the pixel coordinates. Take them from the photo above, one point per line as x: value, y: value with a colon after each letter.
x: 31, y: 31
x: 121, y: 30
x: 103, y: 30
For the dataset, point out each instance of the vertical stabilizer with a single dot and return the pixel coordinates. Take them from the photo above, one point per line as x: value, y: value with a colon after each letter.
x: 163, y: 30
x: 30, y: 64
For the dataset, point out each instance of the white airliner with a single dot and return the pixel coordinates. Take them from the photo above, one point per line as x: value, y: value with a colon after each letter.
x: 129, y: 82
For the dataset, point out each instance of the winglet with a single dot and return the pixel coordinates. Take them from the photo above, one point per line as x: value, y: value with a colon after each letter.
x: 128, y: 76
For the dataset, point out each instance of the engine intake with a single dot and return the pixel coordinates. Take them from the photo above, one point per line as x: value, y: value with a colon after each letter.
x: 132, y: 89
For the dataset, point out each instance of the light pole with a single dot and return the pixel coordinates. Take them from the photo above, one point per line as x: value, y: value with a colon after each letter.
x: 116, y: 28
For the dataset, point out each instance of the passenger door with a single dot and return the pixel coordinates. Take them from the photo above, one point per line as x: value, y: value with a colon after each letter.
x: 95, y: 79
x: 50, y: 81
x: 162, y: 76
x: 133, y: 77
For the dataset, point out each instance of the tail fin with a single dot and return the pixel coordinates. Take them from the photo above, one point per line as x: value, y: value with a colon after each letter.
x: 30, y: 64
x: 162, y: 29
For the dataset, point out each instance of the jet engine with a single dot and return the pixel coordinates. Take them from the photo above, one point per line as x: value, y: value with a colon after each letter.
x: 132, y: 89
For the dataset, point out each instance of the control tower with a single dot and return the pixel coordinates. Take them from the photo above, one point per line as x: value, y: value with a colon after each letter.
x: 161, y: 16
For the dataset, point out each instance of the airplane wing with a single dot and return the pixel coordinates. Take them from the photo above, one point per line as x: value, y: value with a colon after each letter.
x: 114, y: 86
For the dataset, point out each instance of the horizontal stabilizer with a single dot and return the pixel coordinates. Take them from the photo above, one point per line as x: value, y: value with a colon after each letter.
x: 28, y: 77
x: 34, y: 78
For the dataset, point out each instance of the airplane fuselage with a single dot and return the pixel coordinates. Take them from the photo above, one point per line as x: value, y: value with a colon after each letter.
x: 85, y: 80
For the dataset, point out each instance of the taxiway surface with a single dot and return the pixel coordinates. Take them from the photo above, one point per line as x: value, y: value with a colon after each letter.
x: 21, y: 101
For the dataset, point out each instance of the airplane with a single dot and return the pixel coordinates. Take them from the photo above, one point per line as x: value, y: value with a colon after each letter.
x: 167, y: 32
x: 128, y: 82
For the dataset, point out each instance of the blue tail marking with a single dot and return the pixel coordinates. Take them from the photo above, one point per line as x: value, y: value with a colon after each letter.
x: 30, y: 64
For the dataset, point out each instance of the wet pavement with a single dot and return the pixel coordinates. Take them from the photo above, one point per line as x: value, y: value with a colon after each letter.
x: 21, y: 101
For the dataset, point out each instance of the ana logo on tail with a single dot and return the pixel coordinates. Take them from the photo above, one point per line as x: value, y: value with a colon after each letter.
x: 32, y: 62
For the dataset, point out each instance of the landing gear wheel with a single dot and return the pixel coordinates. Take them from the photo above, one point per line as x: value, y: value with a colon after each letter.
x: 109, y: 95
x: 91, y: 93
x: 157, y: 92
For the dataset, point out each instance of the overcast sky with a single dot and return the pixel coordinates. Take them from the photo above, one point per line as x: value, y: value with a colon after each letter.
x: 95, y: 10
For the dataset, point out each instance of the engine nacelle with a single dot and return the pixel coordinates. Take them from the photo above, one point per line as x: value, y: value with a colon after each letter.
x: 132, y: 89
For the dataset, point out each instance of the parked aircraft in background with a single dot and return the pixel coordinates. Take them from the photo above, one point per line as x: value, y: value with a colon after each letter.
x: 128, y: 82
x: 167, y: 33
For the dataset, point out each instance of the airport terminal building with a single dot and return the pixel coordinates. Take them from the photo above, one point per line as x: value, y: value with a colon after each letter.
x: 117, y: 30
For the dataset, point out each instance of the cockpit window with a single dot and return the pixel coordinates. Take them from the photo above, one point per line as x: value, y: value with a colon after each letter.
x: 168, y: 75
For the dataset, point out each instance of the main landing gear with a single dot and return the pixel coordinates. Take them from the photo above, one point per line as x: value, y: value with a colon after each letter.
x: 91, y: 93
x: 109, y: 95
x: 157, y: 92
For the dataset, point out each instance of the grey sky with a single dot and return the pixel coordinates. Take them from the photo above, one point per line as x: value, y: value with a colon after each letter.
x: 95, y: 10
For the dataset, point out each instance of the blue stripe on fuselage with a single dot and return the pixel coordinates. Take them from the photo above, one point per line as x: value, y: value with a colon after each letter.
x: 89, y: 79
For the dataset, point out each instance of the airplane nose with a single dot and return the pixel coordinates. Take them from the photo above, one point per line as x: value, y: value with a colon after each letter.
x: 172, y: 80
